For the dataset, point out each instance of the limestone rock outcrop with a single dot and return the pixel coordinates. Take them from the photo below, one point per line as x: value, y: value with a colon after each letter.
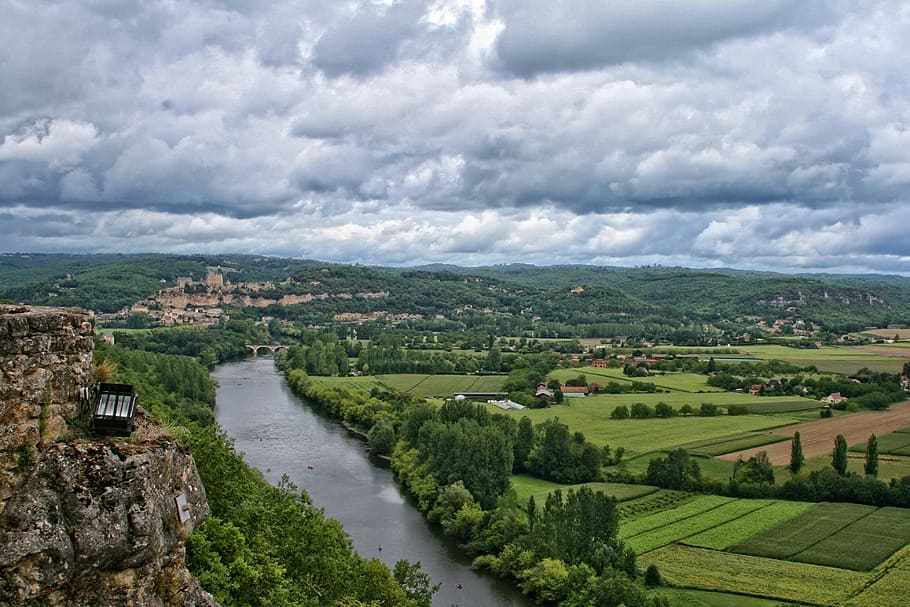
x: 84, y: 520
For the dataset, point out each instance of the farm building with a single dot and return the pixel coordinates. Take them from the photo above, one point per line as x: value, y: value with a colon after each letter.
x: 835, y: 398
x: 574, y: 392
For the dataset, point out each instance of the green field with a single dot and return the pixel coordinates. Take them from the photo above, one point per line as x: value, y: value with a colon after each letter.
x: 889, y: 466
x: 430, y: 386
x: 690, y: 567
x: 864, y: 543
x: 837, y: 359
x: 783, y: 404
x: 800, y: 533
x: 442, y: 386
x: 897, y: 443
x: 591, y: 416
x: 608, y: 402
x: 669, y: 533
x: 527, y: 486
x: 364, y: 382
x: 710, y: 467
x: 659, y: 500
x: 651, y: 522
x: 738, y: 530
x: 729, y: 444
x: 890, y: 587
x: 703, y: 598
x: 677, y: 382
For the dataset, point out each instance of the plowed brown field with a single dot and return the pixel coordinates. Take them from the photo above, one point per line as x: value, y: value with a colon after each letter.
x: 817, y: 437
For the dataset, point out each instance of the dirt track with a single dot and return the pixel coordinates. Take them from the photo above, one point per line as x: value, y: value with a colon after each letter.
x: 817, y: 437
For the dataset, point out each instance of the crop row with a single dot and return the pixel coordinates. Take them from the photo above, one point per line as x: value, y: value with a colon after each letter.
x: 765, y: 405
x: 657, y: 520
x: 692, y: 525
x: 700, y: 444
x: 891, y: 589
x: 662, y: 500
x: 736, y: 531
x: 893, y: 443
x: 690, y: 567
x: 802, y: 531
x: 730, y: 446
x: 864, y: 543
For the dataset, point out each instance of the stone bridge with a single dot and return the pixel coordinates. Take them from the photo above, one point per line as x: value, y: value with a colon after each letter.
x: 273, y: 348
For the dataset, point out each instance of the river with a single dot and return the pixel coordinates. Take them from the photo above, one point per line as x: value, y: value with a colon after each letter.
x: 279, y: 433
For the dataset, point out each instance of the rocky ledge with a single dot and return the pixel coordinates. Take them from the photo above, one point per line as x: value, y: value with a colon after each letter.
x: 85, y: 521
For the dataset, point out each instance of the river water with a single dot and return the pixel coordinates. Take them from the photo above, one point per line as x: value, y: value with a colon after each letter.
x: 279, y: 433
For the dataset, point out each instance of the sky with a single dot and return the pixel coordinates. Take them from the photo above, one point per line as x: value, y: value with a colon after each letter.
x: 770, y: 135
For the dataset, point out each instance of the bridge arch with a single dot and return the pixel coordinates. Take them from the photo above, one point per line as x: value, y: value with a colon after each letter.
x: 273, y: 348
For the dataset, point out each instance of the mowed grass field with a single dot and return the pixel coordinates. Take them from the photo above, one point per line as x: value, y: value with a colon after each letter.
x: 727, y: 444
x: 895, y: 443
x: 364, y: 382
x: 430, y: 386
x: 889, y: 466
x: 528, y: 486
x: 838, y: 359
x: 442, y: 386
x: 679, y: 382
x: 591, y: 416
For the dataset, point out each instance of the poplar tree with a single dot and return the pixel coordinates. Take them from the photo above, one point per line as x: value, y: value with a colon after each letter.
x: 871, y: 466
x: 796, y: 455
x: 839, y: 458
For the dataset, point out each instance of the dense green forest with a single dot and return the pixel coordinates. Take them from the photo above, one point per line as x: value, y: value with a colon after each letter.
x: 676, y: 305
x: 262, y: 545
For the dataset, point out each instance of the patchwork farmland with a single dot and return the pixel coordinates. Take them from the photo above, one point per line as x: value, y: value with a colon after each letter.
x: 817, y: 436
x: 813, y: 554
x: 729, y: 548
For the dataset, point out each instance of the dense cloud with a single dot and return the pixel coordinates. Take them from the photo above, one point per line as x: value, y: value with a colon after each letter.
x: 769, y: 135
x: 541, y: 36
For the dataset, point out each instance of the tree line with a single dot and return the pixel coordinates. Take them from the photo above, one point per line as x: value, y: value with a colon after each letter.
x: 262, y: 545
x: 457, y: 458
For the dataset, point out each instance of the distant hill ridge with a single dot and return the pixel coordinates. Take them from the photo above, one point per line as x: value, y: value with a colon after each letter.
x: 565, y: 293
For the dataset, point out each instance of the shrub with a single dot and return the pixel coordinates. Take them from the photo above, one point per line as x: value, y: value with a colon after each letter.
x: 652, y: 576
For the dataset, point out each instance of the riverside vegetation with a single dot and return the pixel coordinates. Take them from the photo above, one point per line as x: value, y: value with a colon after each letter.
x: 460, y: 460
x: 643, y: 454
x: 262, y: 545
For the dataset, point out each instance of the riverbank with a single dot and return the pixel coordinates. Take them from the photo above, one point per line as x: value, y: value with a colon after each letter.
x: 285, y: 435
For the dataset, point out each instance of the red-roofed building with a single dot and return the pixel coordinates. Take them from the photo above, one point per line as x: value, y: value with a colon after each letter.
x: 835, y: 398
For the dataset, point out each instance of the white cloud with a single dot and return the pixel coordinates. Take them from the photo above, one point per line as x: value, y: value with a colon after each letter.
x: 721, y: 133
x: 56, y: 143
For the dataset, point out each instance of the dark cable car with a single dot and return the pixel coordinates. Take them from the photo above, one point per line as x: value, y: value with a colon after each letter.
x: 114, y: 411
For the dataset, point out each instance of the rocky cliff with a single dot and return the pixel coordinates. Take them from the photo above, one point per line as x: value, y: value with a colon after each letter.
x: 84, y: 520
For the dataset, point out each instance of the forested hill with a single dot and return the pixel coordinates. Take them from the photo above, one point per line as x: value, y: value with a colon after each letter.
x: 565, y: 296
x: 108, y: 282
x: 824, y: 298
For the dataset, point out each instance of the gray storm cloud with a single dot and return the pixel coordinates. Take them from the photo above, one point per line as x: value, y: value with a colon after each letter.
x: 701, y: 133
